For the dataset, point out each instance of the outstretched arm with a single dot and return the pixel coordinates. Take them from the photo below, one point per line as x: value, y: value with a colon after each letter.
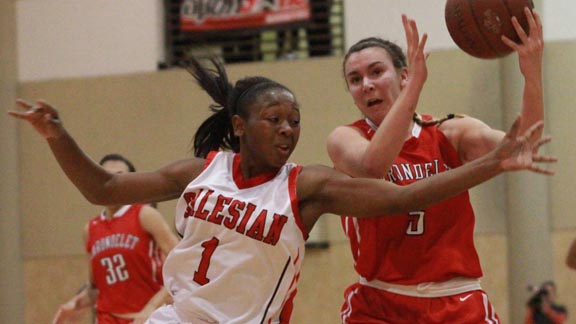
x: 323, y: 190
x: 530, y: 51
x: 359, y: 157
x: 96, y: 184
x: 473, y: 138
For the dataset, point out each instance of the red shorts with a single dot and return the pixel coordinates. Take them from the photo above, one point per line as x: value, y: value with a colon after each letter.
x: 367, y: 305
x: 107, y: 318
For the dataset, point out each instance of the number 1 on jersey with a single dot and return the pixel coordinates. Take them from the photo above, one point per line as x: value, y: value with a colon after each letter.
x: 209, y: 248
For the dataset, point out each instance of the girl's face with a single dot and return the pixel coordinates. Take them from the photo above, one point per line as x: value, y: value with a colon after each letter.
x: 270, y: 133
x: 374, y: 82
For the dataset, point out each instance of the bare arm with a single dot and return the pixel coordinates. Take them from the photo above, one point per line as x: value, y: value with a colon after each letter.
x: 355, y: 155
x: 96, y: 184
x: 473, y: 138
x: 155, y: 224
x: 323, y: 190
x: 530, y: 51
x: 571, y: 257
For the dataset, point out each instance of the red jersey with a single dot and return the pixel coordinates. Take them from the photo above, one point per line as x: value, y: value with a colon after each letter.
x: 431, y: 245
x: 125, y: 261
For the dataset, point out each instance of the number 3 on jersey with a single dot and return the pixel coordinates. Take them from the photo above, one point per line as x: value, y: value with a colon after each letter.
x: 415, y: 223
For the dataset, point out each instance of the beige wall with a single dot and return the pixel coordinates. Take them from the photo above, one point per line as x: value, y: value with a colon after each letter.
x: 151, y: 119
x: 11, y: 279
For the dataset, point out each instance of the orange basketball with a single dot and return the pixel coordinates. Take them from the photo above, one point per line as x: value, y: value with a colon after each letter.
x: 476, y: 25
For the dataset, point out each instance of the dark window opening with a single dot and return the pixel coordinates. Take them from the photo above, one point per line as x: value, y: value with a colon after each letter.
x: 321, y: 35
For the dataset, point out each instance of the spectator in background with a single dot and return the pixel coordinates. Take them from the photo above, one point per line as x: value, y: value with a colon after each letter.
x: 541, y: 308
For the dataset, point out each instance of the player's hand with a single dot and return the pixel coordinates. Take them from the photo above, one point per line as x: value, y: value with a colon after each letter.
x: 530, y: 49
x: 68, y: 314
x: 516, y: 152
x: 417, y: 70
x: 42, y: 116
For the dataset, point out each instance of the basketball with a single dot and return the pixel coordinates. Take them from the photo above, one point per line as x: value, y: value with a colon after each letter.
x: 477, y: 25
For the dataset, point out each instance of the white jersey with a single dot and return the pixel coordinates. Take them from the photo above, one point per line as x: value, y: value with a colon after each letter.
x: 243, y: 245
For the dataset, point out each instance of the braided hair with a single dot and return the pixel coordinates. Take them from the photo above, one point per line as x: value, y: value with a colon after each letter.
x: 217, y: 132
x: 435, y: 121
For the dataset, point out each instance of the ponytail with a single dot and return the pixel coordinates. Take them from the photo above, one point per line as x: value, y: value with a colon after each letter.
x: 216, y: 131
x: 418, y: 120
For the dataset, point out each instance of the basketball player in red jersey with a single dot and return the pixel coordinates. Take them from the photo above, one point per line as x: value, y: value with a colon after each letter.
x: 126, y: 245
x: 421, y: 266
x: 243, y: 211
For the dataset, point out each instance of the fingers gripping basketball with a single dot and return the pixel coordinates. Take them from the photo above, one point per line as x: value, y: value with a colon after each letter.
x: 477, y: 26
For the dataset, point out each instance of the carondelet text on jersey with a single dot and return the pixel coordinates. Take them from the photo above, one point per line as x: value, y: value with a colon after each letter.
x: 119, y: 240
x: 414, y: 171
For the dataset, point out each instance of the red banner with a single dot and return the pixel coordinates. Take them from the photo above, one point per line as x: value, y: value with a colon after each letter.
x: 210, y: 15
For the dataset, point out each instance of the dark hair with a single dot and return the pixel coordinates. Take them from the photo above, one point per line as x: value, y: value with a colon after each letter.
x: 117, y: 157
x: 216, y: 132
x: 395, y: 52
x: 549, y: 283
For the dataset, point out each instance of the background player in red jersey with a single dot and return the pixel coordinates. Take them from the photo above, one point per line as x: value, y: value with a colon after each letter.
x: 422, y: 266
x: 126, y: 245
x: 235, y: 230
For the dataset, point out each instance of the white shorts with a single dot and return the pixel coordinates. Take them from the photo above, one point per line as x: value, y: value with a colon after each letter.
x: 167, y: 315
